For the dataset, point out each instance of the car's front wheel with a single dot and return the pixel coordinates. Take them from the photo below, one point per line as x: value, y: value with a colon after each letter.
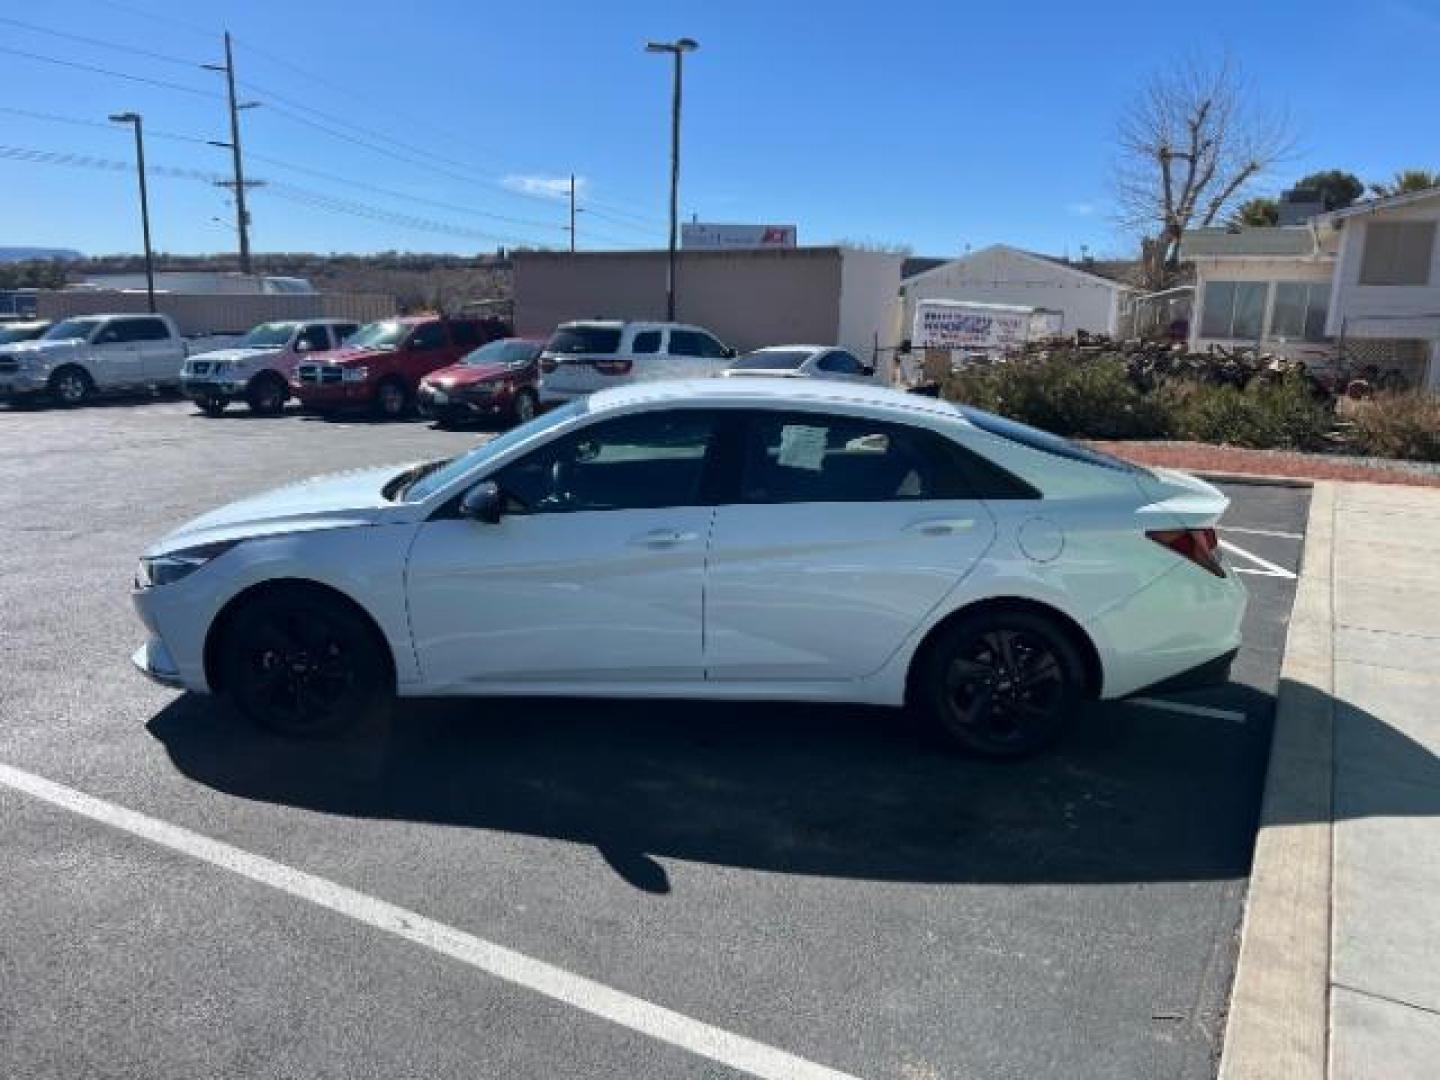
x: 71, y: 386
x: 1001, y: 683
x: 266, y: 395
x: 302, y: 663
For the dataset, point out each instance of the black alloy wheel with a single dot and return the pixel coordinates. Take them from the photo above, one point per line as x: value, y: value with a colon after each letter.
x: 304, y: 665
x: 1003, y: 684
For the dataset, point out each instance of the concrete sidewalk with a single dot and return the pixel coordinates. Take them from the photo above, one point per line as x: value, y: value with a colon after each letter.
x: 1339, y: 972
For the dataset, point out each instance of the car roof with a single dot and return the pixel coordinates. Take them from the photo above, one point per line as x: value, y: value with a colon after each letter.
x: 621, y: 324
x: 769, y: 393
x: 793, y: 348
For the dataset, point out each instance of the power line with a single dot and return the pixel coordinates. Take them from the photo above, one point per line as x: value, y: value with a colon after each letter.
x: 77, y: 121
x: 131, y: 50
x: 163, y: 84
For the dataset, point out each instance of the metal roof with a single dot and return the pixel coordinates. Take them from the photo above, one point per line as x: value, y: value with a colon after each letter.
x: 1282, y: 241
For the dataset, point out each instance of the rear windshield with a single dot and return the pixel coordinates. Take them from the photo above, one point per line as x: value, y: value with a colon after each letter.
x: 584, y: 339
x: 1043, y: 441
x: 503, y: 352
x: 772, y: 360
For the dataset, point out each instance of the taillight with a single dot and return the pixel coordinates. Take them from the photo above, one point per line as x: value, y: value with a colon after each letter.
x: 613, y: 367
x: 1200, y: 546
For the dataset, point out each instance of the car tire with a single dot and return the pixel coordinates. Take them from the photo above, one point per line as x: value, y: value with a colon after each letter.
x: 392, y: 400
x: 526, y: 407
x: 70, y: 386
x: 266, y: 395
x: 1000, y: 683
x: 304, y: 664
x: 213, y: 406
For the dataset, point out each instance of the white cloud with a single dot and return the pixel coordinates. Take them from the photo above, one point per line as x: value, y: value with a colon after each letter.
x: 1081, y: 209
x: 551, y: 187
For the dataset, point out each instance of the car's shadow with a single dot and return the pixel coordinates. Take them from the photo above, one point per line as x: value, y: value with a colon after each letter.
x: 1133, y: 795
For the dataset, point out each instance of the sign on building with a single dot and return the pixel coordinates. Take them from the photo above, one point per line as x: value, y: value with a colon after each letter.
x: 709, y: 235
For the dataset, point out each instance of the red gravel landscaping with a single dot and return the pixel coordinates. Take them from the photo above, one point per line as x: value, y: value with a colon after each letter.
x: 1201, y: 457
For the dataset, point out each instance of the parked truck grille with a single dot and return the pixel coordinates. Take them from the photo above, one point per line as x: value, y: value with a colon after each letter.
x: 320, y: 374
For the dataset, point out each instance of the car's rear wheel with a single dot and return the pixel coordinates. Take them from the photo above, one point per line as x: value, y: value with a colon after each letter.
x: 70, y: 386
x: 266, y: 395
x: 525, y: 407
x: 1001, y: 683
x: 304, y: 664
x: 391, y: 399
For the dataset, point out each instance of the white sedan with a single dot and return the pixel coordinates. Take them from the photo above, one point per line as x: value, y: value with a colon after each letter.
x: 741, y: 539
x: 801, y: 362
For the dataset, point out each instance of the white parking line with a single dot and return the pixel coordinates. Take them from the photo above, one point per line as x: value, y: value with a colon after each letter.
x: 1267, y: 568
x: 1262, y: 532
x: 1207, y: 711
x: 654, y: 1021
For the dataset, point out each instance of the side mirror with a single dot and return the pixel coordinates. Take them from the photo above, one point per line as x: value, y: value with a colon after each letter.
x: 729, y: 353
x: 483, y: 503
x: 867, y: 370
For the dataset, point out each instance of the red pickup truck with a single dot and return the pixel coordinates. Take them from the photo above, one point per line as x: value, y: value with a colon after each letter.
x: 379, y: 367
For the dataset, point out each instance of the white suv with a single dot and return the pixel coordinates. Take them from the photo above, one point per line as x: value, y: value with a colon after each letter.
x: 596, y: 354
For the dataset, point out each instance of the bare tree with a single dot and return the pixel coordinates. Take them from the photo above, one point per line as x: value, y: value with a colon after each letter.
x: 1189, y: 146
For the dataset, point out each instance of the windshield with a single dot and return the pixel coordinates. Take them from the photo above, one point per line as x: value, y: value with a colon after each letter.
x: 772, y: 360
x: 269, y: 335
x: 584, y: 339
x: 378, y: 335
x: 513, y: 353
x: 23, y: 332
x: 71, y: 328
x: 455, y: 468
x: 1036, y: 439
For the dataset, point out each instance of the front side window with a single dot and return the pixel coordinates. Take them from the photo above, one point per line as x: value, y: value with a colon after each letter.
x: 646, y: 461
x: 1397, y: 253
x: 1299, y: 312
x: 466, y: 333
x: 805, y: 457
x: 312, y: 339
x: 1233, y: 309
x: 694, y: 343
x: 428, y: 336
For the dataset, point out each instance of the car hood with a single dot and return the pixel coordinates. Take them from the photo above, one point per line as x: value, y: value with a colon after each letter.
x: 340, y: 500
x: 44, y: 350
x: 236, y: 355
x: 466, y: 374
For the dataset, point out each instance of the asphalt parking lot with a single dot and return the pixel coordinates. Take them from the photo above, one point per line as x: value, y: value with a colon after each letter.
x: 818, y: 881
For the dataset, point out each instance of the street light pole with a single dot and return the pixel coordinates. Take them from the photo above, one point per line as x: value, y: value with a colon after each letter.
x: 678, y: 49
x: 134, y: 119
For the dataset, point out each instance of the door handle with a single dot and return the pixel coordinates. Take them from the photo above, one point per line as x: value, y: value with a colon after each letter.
x: 940, y: 526
x: 663, y: 538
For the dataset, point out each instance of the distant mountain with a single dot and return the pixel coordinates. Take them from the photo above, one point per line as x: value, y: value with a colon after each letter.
x: 24, y: 254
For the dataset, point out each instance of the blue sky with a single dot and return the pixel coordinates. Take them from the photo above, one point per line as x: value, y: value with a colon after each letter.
x: 937, y: 125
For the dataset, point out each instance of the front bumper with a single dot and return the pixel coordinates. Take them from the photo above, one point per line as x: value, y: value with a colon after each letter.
x: 202, y: 390
x: 455, y: 405
x: 20, y: 384
x: 336, y: 395
x: 154, y: 661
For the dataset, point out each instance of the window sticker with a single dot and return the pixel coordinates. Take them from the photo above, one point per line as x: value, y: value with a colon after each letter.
x: 802, y: 447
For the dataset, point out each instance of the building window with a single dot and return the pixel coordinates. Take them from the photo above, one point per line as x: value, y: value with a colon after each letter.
x: 1300, y: 308
x: 1397, y: 253
x: 1233, y: 309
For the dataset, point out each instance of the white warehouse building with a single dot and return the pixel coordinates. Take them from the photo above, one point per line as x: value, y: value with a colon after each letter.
x: 1087, y: 299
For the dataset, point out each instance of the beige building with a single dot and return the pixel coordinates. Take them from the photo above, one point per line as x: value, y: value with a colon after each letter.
x: 747, y: 298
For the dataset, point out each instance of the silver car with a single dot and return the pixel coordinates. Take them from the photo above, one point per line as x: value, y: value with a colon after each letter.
x: 803, y: 362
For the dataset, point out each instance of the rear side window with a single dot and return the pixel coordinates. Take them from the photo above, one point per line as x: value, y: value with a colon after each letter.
x: 694, y: 343
x: 575, y: 340
x: 1043, y: 441
x: 811, y: 457
x: 467, y: 334
x: 647, y: 341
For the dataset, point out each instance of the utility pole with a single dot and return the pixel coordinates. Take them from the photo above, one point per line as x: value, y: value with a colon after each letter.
x: 239, y: 184
x: 678, y: 49
x: 572, y: 213
x: 134, y: 119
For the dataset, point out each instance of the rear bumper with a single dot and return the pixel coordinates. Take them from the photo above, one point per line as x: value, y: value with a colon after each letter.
x: 1214, y: 672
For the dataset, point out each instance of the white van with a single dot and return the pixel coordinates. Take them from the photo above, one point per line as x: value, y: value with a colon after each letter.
x: 595, y: 354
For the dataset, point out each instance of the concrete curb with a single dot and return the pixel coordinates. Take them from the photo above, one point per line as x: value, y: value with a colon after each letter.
x: 1279, y: 1009
x: 1259, y: 479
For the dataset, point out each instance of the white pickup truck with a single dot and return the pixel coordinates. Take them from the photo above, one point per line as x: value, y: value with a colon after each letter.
x: 91, y: 354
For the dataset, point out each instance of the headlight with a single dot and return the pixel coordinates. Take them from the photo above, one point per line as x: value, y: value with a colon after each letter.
x: 354, y: 374
x: 169, y: 568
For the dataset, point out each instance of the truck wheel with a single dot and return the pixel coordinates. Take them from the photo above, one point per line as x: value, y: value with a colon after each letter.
x: 213, y: 406
x: 71, y: 386
x: 525, y: 407
x: 391, y: 399
x: 266, y: 395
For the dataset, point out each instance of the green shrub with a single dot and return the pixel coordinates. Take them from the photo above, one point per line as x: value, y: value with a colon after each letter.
x: 1269, y: 415
x: 1069, y: 396
x: 1398, y: 426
